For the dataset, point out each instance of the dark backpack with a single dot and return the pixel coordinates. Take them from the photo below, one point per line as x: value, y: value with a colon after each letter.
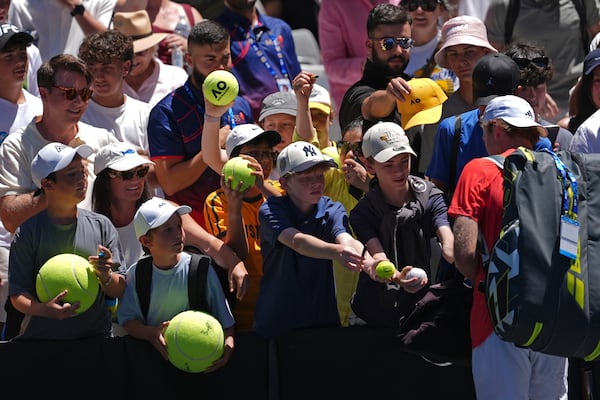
x: 537, y: 296
x: 196, y: 282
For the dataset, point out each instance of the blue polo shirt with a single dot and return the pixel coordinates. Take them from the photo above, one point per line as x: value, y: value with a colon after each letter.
x: 175, y: 132
x: 255, y: 78
x: 296, y: 291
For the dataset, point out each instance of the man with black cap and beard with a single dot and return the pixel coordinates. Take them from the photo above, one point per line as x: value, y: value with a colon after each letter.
x: 383, y: 81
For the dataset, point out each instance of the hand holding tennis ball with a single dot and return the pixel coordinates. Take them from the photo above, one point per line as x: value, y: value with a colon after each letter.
x: 415, y: 272
x: 220, y: 87
x: 385, y: 270
x: 238, y: 170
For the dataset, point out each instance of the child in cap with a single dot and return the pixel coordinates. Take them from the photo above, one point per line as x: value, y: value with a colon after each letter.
x: 395, y: 221
x: 60, y: 172
x: 278, y: 113
x: 159, y: 230
x: 300, y: 234
x: 232, y: 215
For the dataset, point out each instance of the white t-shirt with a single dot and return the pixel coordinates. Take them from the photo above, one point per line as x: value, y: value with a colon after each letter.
x: 128, y: 122
x: 420, y: 54
x: 35, y: 62
x: 19, y: 149
x: 57, y: 31
x: 130, y: 245
x: 23, y: 114
x: 586, y: 139
x: 164, y: 79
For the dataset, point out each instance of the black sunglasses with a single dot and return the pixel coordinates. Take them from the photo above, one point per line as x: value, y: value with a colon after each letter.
x: 426, y: 5
x: 71, y: 93
x: 128, y: 175
x: 389, y: 43
x: 540, y: 62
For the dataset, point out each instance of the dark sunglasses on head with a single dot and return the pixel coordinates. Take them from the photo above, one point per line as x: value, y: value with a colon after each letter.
x: 540, y: 62
x: 128, y: 175
x: 426, y: 5
x: 71, y: 93
x: 389, y: 43
x: 355, y: 147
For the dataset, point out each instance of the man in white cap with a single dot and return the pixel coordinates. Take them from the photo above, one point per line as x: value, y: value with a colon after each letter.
x: 59, y: 171
x: 149, y: 79
x: 300, y: 234
x: 508, y: 122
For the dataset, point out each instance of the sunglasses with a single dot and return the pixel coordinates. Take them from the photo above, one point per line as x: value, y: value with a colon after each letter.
x: 355, y: 147
x: 426, y: 5
x: 540, y: 62
x: 128, y: 175
x: 261, y: 155
x: 71, y: 93
x: 389, y: 43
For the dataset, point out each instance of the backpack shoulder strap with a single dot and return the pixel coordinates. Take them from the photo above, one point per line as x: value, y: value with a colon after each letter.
x: 197, y: 282
x: 143, y: 283
x: 454, y: 154
x: 511, y: 18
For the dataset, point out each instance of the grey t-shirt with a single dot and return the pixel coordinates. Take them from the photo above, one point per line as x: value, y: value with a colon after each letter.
x: 37, y: 240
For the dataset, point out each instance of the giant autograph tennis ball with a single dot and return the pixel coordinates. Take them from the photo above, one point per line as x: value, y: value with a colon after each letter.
x: 385, y: 269
x: 238, y: 170
x: 220, y: 87
x: 194, y: 340
x: 71, y: 272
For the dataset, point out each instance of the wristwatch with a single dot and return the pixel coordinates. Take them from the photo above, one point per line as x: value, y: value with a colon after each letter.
x: 77, y: 10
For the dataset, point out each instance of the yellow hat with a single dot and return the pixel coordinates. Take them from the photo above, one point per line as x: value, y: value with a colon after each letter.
x: 424, y: 103
x: 320, y: 99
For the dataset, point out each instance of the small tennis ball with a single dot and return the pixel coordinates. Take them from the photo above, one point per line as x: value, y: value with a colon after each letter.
x: 71, y: 272
x: 238, y: 170
x: 385, y: 269
x: 194, y: 340
x: 220, y: 87
x: 416, y: 273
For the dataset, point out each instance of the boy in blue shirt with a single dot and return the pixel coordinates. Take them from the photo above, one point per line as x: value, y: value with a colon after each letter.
x: 159, y: 230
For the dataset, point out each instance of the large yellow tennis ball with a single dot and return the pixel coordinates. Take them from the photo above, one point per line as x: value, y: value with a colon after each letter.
x: 194, y: 340
x: 71, y: 272
x: 220, y: 87
x: 238, y: 170
x: 385, y: 269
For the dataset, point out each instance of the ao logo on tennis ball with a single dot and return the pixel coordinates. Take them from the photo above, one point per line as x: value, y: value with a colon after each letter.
x: 194, y: 340
x: 220, y: 87
x: 71, y: 272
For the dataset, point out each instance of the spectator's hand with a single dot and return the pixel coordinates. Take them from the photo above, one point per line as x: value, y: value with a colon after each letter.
x: 410, y: 285
x: 102, y: 263
x: 303, y: 84
x: 221, y: 362
x: 235, y: 196
x: 57, y: 309
x: 550, y: 110
x: 156, y: 338
x: 355, y: 174
x: 214, y: 110
x: 351, y: 259
x: 258, y: 171
x: 173, y: 40
x: 398, y: 88
x: 238, y: 280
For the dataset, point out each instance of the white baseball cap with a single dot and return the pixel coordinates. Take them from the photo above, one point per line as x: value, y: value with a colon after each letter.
x: 245, y: 133
x: 118, y: 157
x: 300, y: 156
x: 54, y: 157
x: 320, y: 99
x: 385, y: 140
x: 155, y: 212
x: 513, y: 110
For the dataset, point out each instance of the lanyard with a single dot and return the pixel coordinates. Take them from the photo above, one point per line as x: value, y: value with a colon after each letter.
x: 569, y: 193
x: 261, y: 55
x: 200, y: 107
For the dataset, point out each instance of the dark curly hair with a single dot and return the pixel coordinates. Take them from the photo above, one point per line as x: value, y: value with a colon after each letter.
x: 531, y: 75
x: 106, y: 47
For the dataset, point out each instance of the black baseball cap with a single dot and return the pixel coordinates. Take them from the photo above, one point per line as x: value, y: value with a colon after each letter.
x: 10, y: 33
x: 495, y: 74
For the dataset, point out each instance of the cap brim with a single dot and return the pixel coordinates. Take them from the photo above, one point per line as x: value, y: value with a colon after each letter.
x: 129, y: 163
x: 278, y: 111
x: 523, y: 122
x: 387, y: 154
x: 19, y: 37
x: 320, y: 106
x: 429, y: 116
x: 147, y: 42
x: 327, y: 161
x: 181, y: 210
x: 440, y: 56
x: 484, y: 100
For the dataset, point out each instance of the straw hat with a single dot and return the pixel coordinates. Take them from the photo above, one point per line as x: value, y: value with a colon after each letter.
x: 137, y: 25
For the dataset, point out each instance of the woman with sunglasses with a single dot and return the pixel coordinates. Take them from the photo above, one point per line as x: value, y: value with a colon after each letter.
x: 119, y: 190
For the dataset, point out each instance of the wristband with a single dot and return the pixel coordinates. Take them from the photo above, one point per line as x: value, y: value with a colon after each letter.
x: 211, y: 118
x: 109, y: 280
x: 77, y: 10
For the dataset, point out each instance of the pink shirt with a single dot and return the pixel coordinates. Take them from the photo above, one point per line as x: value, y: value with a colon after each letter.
x: 164, y: 79
x: 342, y: 38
